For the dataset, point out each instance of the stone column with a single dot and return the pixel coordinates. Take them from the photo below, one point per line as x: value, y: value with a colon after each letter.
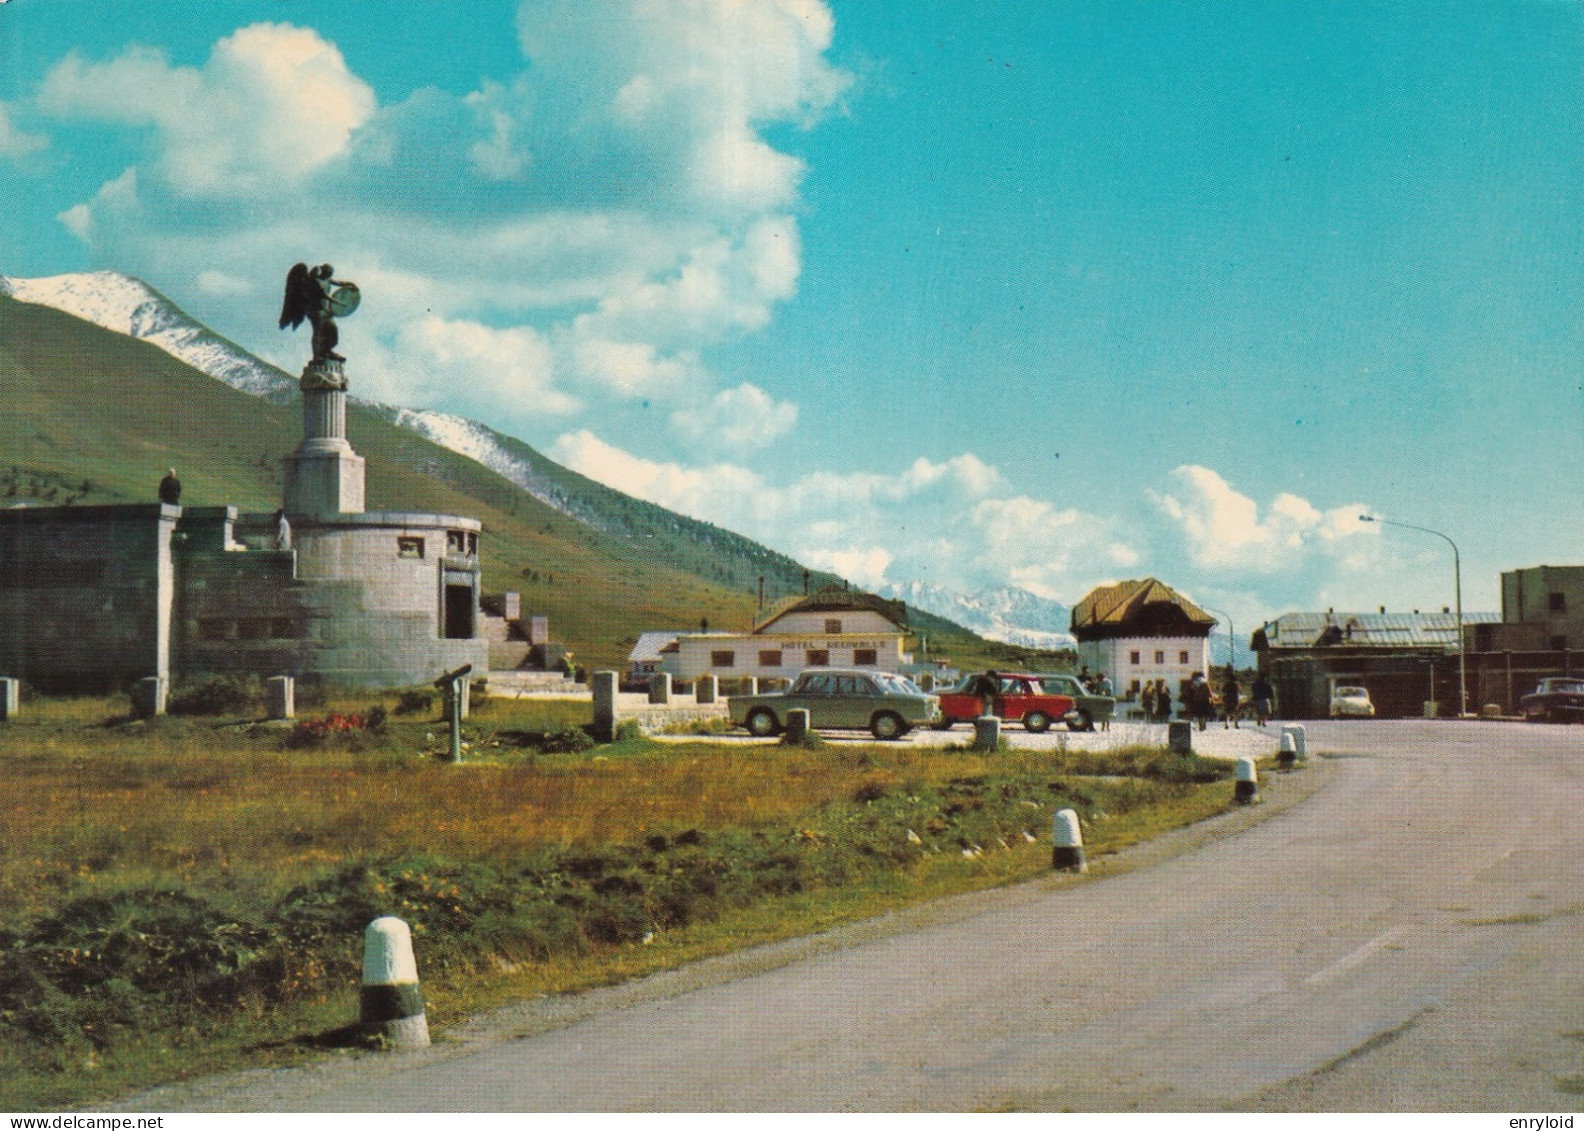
x: 280, y: 697
x: 148, y: 697
x: 987, y: 733
x: 603, y: 685
x: 10, y: 698
x: 660, y: 688
x: 706, y: 689
x: 1179, y: 736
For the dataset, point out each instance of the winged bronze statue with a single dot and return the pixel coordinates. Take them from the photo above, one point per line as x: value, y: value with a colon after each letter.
x: 315, y: 296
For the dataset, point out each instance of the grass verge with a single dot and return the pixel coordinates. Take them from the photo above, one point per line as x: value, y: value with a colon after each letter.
x: 185, y: 896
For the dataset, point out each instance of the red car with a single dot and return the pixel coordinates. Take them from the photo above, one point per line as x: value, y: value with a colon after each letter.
x: 1016, y: 697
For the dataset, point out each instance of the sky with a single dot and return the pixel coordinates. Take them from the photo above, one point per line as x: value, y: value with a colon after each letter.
x: 1046, y: 294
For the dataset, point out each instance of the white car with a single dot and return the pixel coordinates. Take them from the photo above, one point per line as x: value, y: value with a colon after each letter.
x: 1352, y: 703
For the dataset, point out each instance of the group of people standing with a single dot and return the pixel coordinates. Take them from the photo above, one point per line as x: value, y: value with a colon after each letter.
x: 1199, y: 705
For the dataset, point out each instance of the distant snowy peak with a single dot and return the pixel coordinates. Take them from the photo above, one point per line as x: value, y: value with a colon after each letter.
x: 120, y: 303
x: 1007, y: 613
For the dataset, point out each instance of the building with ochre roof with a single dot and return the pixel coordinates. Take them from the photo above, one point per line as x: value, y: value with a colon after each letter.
x: 1141, y: 631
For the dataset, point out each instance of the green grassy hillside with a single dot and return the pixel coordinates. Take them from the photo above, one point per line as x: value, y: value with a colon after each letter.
x: 96, y: 417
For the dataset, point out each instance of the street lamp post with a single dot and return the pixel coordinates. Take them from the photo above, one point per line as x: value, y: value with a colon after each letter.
x: 1457, y: 581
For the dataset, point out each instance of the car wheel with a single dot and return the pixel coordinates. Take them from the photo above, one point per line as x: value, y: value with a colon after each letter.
x: 887, y: 725
x: 943, y: 724
x: 762, y: 723
x: 1085, y: 721
x: 1036, y: 722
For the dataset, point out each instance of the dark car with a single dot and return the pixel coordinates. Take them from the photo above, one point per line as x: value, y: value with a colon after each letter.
x: 1088, y: 708
x: 1018, y: 697
x: 1556, y: 700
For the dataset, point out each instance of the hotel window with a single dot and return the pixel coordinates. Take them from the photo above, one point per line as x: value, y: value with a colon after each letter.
x: 818, y: 658
x: 833, y: 624
x: 723, y: 659
x: 1182, y: 657
x: 409, y: 547
x: 1558, y: 602
x: 865, y: 658
x: 1160, y: 657
x: 770, y: 658
x: 1133, y: 657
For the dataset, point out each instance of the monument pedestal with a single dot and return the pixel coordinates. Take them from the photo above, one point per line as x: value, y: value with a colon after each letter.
x: 324, y: 475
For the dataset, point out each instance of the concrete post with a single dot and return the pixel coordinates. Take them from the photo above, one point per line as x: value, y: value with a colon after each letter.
x: 10, y: 698
x: 753, y: 685
x: 456, y: 696
x: 1288, y: 754
x: 603, y: 686
x: 660, y: 688
x: 797, y: 725
x: 1297, y: 732
x: 706, y: 689
x: 148, y: 697
x: 987, y: 733
x: 1067, y: 854
x: 462, y: 690
x: 1179, y: 736
x: 392, y: 1004
x: 1246, y: 787
x: 280, y: 697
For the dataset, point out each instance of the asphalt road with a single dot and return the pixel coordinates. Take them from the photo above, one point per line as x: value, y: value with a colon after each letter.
x: 1407, y: 938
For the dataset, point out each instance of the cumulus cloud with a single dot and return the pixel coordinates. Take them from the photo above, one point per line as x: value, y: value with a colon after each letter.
x: 15, y: 142
x: 1223, y: 529
x: 740, y: 419
x: 615, y: 202
x: 273, y: 104
x: 949, y: 522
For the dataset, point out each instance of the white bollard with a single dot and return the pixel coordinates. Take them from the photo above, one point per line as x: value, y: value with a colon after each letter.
x: 1246, y: 789
x: 1288, y: 754
x: 1297, y: 732
x: 797, y: 725
x: 1067, y: 852
x: 987, y: 733
x: 392, y: 1005
x: 10, y: 698
x: 280, y: 697
x: 148, y: 697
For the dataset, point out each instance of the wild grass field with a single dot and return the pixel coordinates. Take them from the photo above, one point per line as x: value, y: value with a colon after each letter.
x: 189, y: 893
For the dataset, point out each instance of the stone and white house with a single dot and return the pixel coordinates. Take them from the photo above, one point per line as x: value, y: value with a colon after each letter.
x: 1141, y: 631
x: 833, y: 627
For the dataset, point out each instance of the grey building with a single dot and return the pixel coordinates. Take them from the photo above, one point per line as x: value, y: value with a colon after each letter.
x: 96, y: 597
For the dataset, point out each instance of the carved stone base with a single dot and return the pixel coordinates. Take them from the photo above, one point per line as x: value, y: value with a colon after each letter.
x: 324, y: 482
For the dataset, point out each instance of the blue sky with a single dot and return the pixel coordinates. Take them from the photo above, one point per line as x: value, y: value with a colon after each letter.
x: 1044, y: 294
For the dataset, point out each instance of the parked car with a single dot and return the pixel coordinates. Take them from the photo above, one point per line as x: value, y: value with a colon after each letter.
x: 1352, y: 703
x: 1555, y: 700
x: 886, y: 705
x: 1088, y: 708
x: 1021, y: 698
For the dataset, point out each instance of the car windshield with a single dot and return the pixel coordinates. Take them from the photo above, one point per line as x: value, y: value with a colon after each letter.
x: 896, y: 684
x: 1574, y: 686
x: 1352, y: 693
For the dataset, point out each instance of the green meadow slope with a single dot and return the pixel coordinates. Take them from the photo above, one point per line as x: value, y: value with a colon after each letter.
x: 94, y: 416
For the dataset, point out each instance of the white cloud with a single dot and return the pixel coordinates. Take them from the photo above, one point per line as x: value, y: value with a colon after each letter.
x: 273, y: 104
x: 15, y: 142
x: 1223, y: 529
x: 740, y: 419
x: 942, y: 522
x: 489, y: 371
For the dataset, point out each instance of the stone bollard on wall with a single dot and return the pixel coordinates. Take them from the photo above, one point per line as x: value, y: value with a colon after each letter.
x: 660, y: 688
x: 148, y: 697
x: 797, y: 725
x: 1179, y: 736
x: 603, y: 688
x: 1288, y: 754
x: 392, y: 1004
x: 280, y: 697
x: 10, y: 699
x: 1297, y: 732
x: 1067, y: 853
x: 987, y: 733
x: 1246, y: 777
x: 706, y: 689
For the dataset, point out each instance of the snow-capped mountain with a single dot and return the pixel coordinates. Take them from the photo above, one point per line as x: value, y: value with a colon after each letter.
x: 127, y: 306
x: 1008, y: 614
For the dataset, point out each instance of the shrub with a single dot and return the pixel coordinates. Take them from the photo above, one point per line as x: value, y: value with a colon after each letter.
x: 333, y: 727
x: 566, y: 740
x: 219, y: 695
x: 626, y: 731
x: 414, y: 702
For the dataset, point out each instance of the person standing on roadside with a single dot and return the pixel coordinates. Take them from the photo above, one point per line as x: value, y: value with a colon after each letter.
x: 1229, y: 702
x: 1264, y: 698
x: 1163, y: 700
x: 1147, y: 700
